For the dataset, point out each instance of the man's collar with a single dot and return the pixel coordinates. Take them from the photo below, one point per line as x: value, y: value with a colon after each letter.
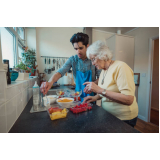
x: 85, y: 59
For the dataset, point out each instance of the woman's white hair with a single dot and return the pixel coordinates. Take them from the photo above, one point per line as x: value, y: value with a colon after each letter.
x: 100, y: 50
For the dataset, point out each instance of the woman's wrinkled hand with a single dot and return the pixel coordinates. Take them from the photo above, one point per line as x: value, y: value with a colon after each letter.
x: 86, y: 90
x: 45, y: 86
x: 92, y: 87
x: 89, y: 99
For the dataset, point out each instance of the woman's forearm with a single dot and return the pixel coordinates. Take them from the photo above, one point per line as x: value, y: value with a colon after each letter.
x: 96, y: 81
x: 119, y: 97
x: 97, y: 97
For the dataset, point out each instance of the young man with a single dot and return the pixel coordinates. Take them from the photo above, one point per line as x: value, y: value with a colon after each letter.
x: 82, y: 67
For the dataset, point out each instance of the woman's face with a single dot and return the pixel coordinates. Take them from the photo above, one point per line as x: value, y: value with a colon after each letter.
x: 99, y: 64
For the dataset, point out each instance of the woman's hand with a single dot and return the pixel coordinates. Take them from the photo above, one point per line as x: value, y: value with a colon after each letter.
x: 86, y: 90
x: 92, y: 87
x: 45, y: 86
x: 89, y: 99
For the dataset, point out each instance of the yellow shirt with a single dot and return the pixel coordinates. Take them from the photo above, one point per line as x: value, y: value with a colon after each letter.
x: 119, y: 78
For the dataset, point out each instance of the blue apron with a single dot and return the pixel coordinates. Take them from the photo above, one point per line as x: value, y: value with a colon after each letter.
x: 82, y: 78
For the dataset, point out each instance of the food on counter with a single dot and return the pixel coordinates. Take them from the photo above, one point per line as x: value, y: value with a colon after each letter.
x: 54, y: 109
x: 64, y: 110
x: 51, y: 97
x: 64, y: 100
x: 61, y: 93
x: 76, y: 94
x: 81, y: 108
x: 59, y: 114
x: 79, y: 99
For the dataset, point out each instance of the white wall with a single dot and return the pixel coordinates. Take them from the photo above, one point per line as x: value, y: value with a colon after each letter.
x: 54, y: 41
x: 141, y: 64
x: 31, y: 38
x: 1, y: 67
x: 100, y: 35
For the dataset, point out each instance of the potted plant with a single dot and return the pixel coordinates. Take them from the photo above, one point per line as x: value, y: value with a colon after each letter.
x: 29, y: 59
x: 21, y: 67
x: 23, y: 71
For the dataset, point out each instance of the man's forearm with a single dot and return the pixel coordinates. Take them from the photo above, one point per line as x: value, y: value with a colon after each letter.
x: 55, y: 77
x: 96, y: 81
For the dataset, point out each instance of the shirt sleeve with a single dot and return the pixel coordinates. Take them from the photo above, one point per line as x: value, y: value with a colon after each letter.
x: 66, y: 67
x: 125, y: 80
x: 98, y: 72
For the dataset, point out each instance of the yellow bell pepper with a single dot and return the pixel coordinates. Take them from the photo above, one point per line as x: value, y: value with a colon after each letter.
x: 58, y: 115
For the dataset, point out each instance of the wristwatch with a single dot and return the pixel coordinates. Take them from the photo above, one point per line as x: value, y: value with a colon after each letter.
x: 104, y: 92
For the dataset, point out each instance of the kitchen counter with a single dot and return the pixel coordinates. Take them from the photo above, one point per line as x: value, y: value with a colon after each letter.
x: 62, y: 87
x: 95, y: 121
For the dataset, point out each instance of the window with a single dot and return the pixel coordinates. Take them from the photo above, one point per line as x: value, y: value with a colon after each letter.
x: 8, y: 41
x: 20, y: 51
x: 12, y: 43
x: 20, y: 31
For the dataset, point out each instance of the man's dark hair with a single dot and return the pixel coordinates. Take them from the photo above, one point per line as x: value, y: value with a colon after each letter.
x: 80, y: 37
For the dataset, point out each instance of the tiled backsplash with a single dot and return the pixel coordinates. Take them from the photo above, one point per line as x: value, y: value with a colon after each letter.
x: 13, y: 99
x: 2, y: 87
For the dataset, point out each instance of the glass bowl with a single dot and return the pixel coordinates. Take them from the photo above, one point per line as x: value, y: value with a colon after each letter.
x: 76, y: 94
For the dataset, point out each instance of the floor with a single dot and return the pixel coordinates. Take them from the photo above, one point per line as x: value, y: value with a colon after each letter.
x: 155, y: 116
x: 146, y: 127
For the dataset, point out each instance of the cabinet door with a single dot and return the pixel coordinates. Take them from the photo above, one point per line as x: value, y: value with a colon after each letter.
x: 125, y: 50
x: 111, y: 43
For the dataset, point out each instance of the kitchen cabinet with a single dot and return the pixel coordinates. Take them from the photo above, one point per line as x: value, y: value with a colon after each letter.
x: 122, y: 47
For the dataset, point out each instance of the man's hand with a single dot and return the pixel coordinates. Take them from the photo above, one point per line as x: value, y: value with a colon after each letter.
x: 45, y: 86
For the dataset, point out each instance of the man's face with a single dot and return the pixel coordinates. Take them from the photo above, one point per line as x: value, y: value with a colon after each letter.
x: 80, y: 49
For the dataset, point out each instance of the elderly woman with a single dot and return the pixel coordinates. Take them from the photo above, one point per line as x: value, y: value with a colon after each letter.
x: 116, y: 85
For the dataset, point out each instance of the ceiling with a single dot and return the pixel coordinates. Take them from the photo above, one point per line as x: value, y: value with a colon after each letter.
x: 114, y: 29
x: 107, y: 29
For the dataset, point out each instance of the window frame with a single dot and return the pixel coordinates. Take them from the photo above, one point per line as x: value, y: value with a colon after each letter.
x: 17, y: 41
x: 19, y: 45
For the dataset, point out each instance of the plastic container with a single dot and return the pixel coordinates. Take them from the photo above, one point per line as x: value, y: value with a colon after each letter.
x: 81, y: 108
x: 36, y: 96
x: 57, y: 113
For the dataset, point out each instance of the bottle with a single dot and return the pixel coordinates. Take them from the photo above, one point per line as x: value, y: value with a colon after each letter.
x: 6, y: 61
x: 36, y: 97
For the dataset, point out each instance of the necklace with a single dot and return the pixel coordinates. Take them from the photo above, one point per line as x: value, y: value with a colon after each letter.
x: 104, y: 74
